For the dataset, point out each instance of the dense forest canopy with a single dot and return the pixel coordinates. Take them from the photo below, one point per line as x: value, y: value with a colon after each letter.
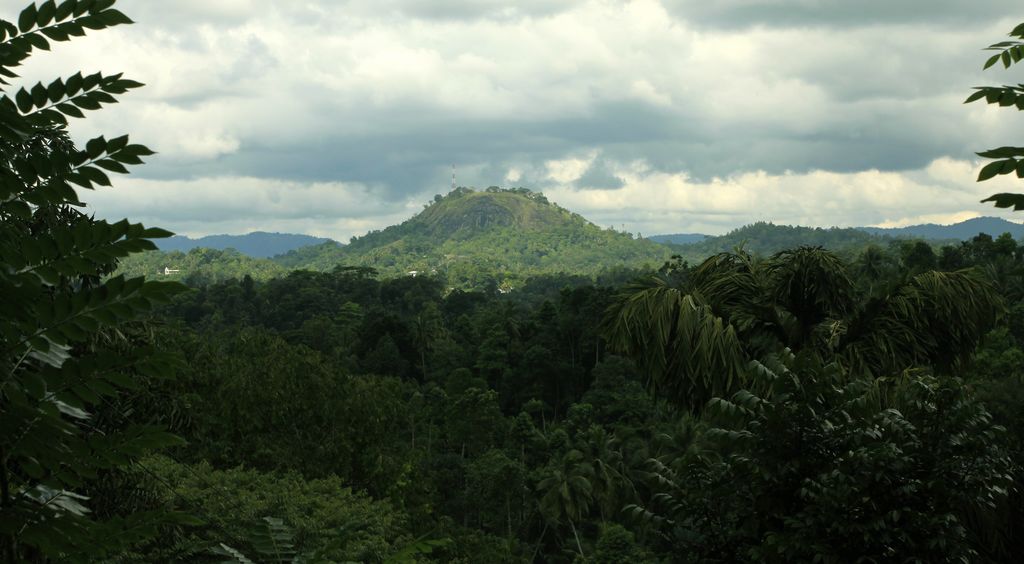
x: 754, y: 405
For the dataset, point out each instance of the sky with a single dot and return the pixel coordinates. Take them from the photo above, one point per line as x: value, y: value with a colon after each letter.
x: 335, y: 117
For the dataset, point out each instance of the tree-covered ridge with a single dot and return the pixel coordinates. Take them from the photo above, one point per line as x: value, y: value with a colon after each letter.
x: 199, y: 266
x: 476, y: 238
x: 766, y: 238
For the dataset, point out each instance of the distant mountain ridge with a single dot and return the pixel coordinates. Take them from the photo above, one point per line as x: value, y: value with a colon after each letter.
x: 963, y: 230
x: 258, y: 244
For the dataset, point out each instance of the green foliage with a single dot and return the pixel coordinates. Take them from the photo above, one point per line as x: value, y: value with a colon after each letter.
x: 694, y: 332
x: 816, y: 469
x: 617, y: 545
x: 272, y: 540
x: 59, y: 318
x: 567, y: 492
x: 1008, y: 159
x: 312, y: 420
x: 688, y: 352
x: 272, y: 517
x: 495, y: 484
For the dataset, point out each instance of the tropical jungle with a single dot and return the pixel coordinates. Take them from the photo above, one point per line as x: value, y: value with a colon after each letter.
x: 495, y: 380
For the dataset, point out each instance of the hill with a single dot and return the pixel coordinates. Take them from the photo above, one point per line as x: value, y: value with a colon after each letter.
x: 494, y: 236
x: 964, y: 230
x: 257, y: 244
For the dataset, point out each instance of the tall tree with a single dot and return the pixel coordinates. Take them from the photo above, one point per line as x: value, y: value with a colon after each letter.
x: 566, y: 492
x: 428, y: 327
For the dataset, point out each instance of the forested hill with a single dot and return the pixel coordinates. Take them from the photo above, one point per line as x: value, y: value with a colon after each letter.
x: 257, y: 244
x: 495, y: 236
x: 767, y: 238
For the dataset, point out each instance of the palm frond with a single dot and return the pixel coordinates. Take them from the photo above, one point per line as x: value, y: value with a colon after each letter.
x: 689, y: 353
x: 934, y: 319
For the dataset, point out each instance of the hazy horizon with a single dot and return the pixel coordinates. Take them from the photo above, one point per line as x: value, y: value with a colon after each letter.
x: 645, y: 235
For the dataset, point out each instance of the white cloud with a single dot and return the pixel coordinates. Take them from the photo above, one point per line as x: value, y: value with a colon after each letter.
x: 239, y: 204
x: 656, y: 202
x: 568, y: 170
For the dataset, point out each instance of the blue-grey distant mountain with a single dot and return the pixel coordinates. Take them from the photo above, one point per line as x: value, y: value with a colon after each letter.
x: 679, y: 238
x: 257, y: 244
x: 964, y: 230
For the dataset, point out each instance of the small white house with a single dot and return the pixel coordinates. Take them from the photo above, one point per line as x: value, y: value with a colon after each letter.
x: 167, y: 271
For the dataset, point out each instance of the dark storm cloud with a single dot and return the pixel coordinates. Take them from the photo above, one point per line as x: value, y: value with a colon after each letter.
x: 730, y: 14
x: 599, y: 176
x: 473, y: 9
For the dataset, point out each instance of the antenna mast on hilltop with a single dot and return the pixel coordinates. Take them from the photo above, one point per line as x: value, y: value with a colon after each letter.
x: 453, y: 178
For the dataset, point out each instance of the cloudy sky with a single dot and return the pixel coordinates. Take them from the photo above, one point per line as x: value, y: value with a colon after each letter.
x: 333, y: 117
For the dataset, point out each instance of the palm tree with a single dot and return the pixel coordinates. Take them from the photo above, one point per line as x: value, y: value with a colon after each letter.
x: 680, y: 444
x: 601, y: 453
x: 871, y: 266
x: 428, y: 327
x: 566, y: 492
x: 695, y: 335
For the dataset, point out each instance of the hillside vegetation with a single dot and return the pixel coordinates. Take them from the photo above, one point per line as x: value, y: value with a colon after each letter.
x: 200, y: 266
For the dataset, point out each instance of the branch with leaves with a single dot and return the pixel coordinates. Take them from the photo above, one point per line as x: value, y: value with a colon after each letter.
x: 1008, y: 159
x: 55, y: 266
